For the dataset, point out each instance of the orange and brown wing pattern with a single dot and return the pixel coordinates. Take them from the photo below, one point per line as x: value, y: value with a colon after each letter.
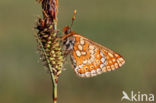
x: 90, y: 59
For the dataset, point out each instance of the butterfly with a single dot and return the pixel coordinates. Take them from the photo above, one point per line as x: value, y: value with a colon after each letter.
x: 88, y: 57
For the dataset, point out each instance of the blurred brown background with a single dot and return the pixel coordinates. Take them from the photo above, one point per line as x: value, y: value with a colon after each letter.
x: 126, y: 26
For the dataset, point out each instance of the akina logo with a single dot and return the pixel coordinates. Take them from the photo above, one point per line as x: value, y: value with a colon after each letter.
x: 137, y: 97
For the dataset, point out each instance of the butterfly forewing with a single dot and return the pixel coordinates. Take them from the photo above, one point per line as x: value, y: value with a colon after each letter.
x: 90, y: 58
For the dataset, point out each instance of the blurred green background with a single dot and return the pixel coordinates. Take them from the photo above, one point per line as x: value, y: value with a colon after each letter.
x: 126, y: 26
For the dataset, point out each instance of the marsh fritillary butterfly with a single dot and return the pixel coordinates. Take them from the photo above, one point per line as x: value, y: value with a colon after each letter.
x: 88, y: 57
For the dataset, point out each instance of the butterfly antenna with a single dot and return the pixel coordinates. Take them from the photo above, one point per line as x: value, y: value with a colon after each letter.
x: 73, y: 18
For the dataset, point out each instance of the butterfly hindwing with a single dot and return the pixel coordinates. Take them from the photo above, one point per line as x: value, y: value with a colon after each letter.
x: 90, y: 58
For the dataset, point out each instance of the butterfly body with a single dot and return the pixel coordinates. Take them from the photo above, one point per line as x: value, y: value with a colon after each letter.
x: 88, y: 57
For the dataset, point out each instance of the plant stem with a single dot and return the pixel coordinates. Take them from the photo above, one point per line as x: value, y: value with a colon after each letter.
x: 49, y: 46
x: 54, y: 83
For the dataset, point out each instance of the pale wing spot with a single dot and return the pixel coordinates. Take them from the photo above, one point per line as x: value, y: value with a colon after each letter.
x: 99, y: 71
x: 101, y: 66
x: 104, y: 69
x: 91, y: 47
x: 91, y: 51
x: 92, y: 56
x: 83, y: 53
x: 92, y: 59
x: 80, y: 47
x: 108, y: 68
x: 110, y: 54
x: 93, y: 73
x: 89, y: 61
x: 82, y: 41
x: 82, y: 75
x: 120, y: 64
x: 101, y: 54
x: 106, y: 63
x: 113, y: 60
x: 118, y: 61
x: 117, y: 55
x: 77, y: 68
x: 121, y: 60
x: 78, y: 53
x: 102, y: 60
x: 98, y: 56
x: 113, y: 67
x: 88, y: 74
x: 85, y: 62
x: 80, y: 66
x: 116, y: 65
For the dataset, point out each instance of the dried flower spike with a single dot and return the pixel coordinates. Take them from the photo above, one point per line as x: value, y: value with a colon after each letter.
x: 48, y: 43
x: 47, y: 35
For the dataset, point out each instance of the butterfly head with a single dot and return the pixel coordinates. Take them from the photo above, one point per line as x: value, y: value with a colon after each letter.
x: 66, y: 30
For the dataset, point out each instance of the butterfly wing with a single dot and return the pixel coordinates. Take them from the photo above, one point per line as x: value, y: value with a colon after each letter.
x: 90, y: 58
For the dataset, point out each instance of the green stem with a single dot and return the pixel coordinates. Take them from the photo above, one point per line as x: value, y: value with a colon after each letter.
x: 54, y: 89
